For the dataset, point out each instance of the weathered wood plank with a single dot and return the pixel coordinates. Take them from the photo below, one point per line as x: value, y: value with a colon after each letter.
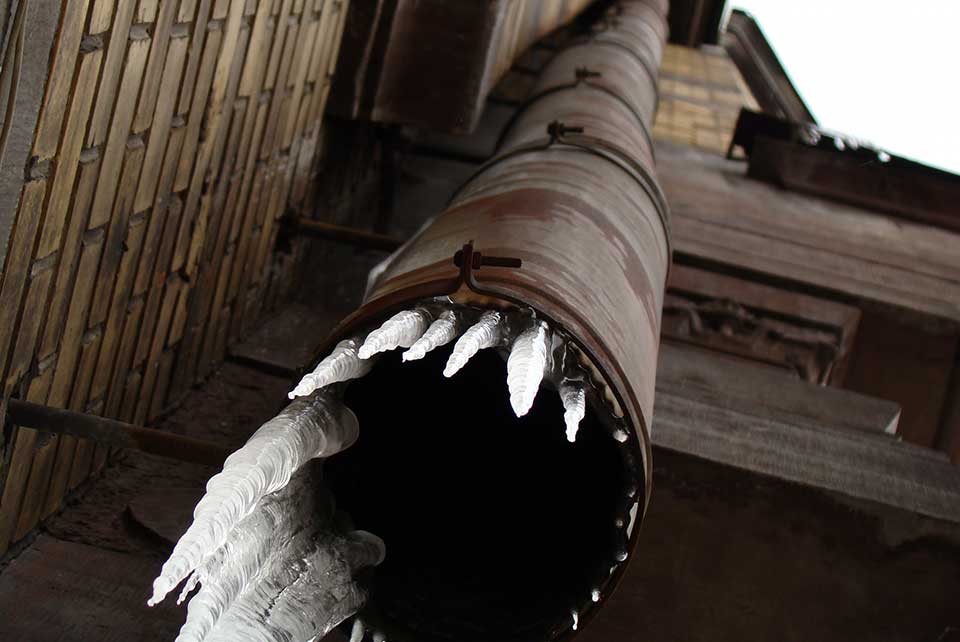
x: 68, y: 160
x: 115, y: 247
x: 50, y: 121
x: 200, y: 94
x: 18, y: 498
x: 53, y: 331
x: 721, y: 215
x: 198, y: 35
x: 67, y: 447
x: 218, y: 109
x: 159, y: 135
x: 160, y: 43
x: 33, y: 313
x: 158, y: 215
x: 17, y: 268
x: 113, y: 327
x: 854, y: 462
x: 112, y: 68
x: 113, y: 152
x: 100, y: 16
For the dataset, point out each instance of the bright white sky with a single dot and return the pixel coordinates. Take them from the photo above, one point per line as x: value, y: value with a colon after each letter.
x: 882, y: 71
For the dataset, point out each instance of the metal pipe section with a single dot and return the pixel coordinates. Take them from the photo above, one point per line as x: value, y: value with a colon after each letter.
x: 110, y: 432
x: 571, y: 197
x: 347, y: 235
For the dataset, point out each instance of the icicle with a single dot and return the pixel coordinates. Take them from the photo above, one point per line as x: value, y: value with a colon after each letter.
x: 574, y: 399
x: 401, y: 330
x: 595, y: 595
x: 487, y: 332
x: 358, y: 631
x: 302, y: 594
x: 288, y: 516
x: 307, y: 428
x: 441, y: 332
x: 343, y: 364
x: 576, y: 618
x: 525, y: 367
x: 188, y: 587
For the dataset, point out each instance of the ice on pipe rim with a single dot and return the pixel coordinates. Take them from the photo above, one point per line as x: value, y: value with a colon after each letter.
x: 526, y: 366
x: 441, y: 332
x: 487, y: 332
x: 343, y: 364
x: 574, y: 400
x: 312, y: 427
x: 399, y: 331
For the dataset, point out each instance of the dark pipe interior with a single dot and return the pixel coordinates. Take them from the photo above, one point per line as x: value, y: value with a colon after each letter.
x: 496, y: 527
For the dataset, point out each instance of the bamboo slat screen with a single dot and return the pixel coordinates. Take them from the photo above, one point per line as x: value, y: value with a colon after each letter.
x: 173, y: 135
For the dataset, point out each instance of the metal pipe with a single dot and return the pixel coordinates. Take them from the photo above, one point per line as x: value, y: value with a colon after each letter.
x: 110, y: 432
x: 572, y: 203
x: 348, y: 235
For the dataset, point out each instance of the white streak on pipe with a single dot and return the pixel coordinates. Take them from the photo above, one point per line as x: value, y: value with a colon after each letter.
x: 574, y: 399
x: 343, y: 364
x: 441, y: 332
x: 487, y: 332
x: 401, y: 330
x: 576, y: 619
x: 307, y: 428
x: 525, y: 367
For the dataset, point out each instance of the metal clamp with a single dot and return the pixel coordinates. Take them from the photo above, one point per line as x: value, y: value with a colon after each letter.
x: 470, y: 260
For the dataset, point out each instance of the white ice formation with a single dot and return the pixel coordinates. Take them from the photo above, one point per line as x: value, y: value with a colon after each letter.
x: 358, y: 631
x: 281, y: 521
x: 303, y: 592
x: 311, y: 427
x: 441, y: 332
x: 487, y: 332
x: 526, y: 366
x: 399, y: 331
x: 576, y: 618
x: 343, y: 364
x: 595, y: 595
x: 574, y: 400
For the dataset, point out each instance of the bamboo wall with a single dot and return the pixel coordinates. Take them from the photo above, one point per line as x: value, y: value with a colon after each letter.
x: 172, y: 137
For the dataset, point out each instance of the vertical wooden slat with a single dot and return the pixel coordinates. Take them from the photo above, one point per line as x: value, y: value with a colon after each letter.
x: 100, y: 15
x: 112, y: 68
x: 69, y: 157
x: 17, y: 268
x: 16, y: 492
x: 61, y: 77
x: 120, y: 125
x: 159, y: 133
x: 160, y: 43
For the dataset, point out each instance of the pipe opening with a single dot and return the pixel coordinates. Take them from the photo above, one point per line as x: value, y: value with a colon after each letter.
x: 496, y: 528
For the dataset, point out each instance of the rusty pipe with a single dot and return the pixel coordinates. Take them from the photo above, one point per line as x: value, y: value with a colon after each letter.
x: 571, y: 208
x: 343, y: 234
x: 110, y: 432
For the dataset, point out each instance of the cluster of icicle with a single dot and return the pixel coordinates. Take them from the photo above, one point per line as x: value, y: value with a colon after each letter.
x: 262, y: 547
x: 428, y: 327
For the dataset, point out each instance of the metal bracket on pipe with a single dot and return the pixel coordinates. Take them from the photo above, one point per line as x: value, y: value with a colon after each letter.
x: 468, y: 260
